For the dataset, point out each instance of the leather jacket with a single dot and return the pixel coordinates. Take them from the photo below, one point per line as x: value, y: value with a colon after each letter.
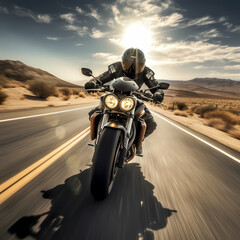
x: 115, y: 71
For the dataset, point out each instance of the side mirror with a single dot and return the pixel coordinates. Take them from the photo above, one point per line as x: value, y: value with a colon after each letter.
x: 164, y: 85
x: 87, y: 72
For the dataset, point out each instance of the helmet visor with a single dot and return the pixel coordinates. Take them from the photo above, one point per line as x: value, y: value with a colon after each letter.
x: 129, y: 66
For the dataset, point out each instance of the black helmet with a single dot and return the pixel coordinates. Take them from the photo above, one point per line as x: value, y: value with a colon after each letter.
x: 133, y: 62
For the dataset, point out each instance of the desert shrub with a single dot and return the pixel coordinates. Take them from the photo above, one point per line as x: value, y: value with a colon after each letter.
x: 99, y: 94
x: 181, y: 106
x: 193, y: 108
x: 75, y: 91
x: 93, y: 94
x: 65, y: 98
x: 202, y: 110
x: 42, y: 88
x: 218, y: 124
x: 65, y: 91
x: 180, y: 113
x: 227, y: 117
x: 3, y: 96
x: 234, y: 111
x: 82, y: 95
x: 235, y: 133
x: 22, y: 98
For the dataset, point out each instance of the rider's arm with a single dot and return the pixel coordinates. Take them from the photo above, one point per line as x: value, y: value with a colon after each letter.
x: 150, y: 80
x: 108, y: 75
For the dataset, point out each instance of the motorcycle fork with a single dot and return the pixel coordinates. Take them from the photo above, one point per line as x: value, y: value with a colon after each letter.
x: 126, y: 140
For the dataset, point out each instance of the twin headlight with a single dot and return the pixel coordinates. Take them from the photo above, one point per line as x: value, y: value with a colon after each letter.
x: 126, y: 104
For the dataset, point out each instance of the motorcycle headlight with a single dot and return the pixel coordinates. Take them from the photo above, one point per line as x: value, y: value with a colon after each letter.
x: 111, y: 101
x: 127, y: 104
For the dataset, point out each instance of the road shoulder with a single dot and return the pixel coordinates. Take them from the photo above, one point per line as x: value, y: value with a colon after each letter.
x: 198, y: 125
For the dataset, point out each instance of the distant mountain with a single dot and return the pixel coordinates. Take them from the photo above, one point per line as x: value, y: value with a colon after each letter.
x: 205, y: 87
x: 18, y: 72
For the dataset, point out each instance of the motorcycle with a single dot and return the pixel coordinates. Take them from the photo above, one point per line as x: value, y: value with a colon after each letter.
x: 118, y: 130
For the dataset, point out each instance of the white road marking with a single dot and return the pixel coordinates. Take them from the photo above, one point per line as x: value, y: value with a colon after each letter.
x: 198, y: 138
x: 44, y: 114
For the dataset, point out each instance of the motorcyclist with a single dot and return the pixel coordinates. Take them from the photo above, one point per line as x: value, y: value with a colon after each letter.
x: 132, y: 66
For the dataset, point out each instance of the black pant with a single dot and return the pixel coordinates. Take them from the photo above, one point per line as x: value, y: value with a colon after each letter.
x: 150, y: 122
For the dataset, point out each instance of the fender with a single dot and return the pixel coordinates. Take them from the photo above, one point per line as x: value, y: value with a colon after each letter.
x: 114, y: 124
x: 94, y: 120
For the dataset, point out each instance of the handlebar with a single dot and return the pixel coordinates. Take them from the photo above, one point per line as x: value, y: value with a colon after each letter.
x: 137, y: 94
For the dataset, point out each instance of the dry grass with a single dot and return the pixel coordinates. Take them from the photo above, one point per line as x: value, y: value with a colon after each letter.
x: 232, y: 105
x: 218, y: 124
x: 235, y: 133
x: 227, y: 117
x: 204, y: 109
x: 180, y: 113
x: 3, y: 97
x: 82, y: 95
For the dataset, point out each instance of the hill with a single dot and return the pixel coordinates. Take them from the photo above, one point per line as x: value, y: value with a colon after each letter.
x: 205, y: 87
x: 17, y: 73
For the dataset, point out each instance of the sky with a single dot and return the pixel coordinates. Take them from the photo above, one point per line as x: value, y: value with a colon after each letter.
x: 182, y: 39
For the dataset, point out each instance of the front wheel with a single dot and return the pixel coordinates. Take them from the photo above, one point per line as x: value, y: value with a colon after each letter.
x: 104, y: 168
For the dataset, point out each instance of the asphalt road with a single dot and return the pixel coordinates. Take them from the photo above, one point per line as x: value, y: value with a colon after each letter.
x: 181, y: 188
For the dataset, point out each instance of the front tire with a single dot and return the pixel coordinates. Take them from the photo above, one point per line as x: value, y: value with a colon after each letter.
x: 104, y: 166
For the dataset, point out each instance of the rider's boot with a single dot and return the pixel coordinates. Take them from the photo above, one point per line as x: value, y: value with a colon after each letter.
x: 139, y: 151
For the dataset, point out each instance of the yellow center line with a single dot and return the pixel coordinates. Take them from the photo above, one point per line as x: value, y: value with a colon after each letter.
x: 11, y: 186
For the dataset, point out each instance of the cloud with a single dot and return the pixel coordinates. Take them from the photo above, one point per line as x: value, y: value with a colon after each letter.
x: 232, y: 67
x: 201, y: 21
x: 195, y: 52
x: 222, y: 19
x: 23, y: 12
x: 79, y: 10
x: 94, y: 14
x: 172, y: 20
x: 150, y: 13
x: 200, y: 67
x: 81, y: 31
x: 69, y: 17
x: 206, y: 35
x: 98, y: 34
x: 43, y: 18
x: 106, y: 58
x: 235, y: 29
x: 4, y: 10
x: 53, y: 38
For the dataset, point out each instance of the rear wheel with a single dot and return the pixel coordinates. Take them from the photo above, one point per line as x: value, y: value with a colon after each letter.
x: 104, y: 168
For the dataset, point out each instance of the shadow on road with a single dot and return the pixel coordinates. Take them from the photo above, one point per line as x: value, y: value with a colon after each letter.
x: 130, y: 212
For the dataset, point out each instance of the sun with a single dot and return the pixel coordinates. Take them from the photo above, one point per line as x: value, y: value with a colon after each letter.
x: 137, y: 36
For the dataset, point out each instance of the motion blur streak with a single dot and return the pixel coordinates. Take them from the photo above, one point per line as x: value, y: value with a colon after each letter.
x: 209, y: 144
x: 8, y: 188
x: 45, y: 114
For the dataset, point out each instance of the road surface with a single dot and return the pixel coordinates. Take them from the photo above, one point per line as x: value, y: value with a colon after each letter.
x: 181, y: 189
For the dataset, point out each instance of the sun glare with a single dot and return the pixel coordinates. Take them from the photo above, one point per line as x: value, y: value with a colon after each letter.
x: 137, y: 36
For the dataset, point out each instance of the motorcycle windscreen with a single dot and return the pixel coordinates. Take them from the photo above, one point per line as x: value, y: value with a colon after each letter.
x: 124, y: 85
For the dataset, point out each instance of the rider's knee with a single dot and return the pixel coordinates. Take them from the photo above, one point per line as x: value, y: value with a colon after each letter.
x: 151, y: 126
